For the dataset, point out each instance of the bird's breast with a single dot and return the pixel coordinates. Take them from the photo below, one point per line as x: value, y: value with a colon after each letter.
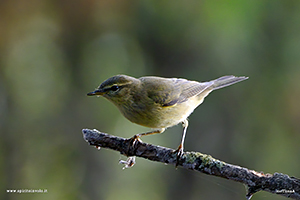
x: 156, y: 116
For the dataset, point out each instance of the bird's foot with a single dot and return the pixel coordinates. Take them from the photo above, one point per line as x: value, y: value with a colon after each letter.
x: 132, y: 142
x: 179, y: 153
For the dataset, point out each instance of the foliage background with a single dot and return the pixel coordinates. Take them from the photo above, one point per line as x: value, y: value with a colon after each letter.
x: 53, y: 52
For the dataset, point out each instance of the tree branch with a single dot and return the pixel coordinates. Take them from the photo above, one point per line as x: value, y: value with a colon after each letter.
x: 276, y: 183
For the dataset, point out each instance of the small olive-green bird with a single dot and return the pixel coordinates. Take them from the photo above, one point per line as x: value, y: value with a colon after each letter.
x: 157, y: 102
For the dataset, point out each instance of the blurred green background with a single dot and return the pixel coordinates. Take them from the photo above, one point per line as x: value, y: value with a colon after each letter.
x: 53, y: 52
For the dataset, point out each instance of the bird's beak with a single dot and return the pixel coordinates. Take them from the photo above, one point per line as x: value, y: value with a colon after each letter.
x: 96, y: 92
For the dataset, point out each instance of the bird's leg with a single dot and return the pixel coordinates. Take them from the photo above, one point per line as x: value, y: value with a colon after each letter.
x: 137, y: 137
x: 179, y: 150
x: 149, y: 133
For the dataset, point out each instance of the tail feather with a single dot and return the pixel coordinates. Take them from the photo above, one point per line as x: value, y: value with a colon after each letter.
x: 225, y: 81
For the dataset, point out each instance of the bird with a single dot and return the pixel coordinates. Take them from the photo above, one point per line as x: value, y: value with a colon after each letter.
x: 157, y: 102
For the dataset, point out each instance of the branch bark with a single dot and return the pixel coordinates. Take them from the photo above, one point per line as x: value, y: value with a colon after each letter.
x: 276, y: 183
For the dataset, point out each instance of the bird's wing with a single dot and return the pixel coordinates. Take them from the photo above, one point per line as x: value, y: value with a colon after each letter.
x: 190, y: 88
x: 168, y: 92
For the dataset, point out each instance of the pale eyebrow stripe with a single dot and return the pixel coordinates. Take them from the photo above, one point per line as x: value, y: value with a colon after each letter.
x: 119, y: 85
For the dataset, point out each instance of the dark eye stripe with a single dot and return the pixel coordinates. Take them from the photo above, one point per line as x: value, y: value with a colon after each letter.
x: 114, y: 88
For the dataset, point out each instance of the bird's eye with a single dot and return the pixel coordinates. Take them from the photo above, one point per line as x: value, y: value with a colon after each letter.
x: 114, y: 88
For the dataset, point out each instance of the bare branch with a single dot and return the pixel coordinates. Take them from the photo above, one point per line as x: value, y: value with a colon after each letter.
x: 276, y: 183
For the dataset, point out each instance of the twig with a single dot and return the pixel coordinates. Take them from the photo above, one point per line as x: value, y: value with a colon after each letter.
x: 276, y: 183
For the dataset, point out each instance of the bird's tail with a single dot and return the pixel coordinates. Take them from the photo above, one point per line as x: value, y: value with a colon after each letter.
x: 225, y: 81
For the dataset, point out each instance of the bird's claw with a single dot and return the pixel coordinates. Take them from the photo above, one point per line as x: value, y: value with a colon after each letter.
x: 132, y: 142
x: 179, y: 153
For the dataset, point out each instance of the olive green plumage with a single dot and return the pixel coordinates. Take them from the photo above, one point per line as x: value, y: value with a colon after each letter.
x: 157, y: 102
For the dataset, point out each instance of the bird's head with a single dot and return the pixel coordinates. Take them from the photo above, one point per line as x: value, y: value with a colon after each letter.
x: 116, y: 89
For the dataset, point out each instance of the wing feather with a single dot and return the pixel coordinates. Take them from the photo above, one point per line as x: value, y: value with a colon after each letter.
x: 169, y: 92
x: 191, y: 88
